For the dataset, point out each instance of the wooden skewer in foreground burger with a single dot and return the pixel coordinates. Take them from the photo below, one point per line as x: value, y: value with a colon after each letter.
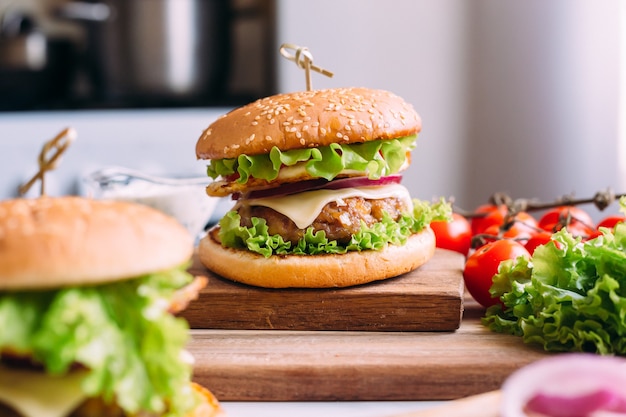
x: 316, y: 178
x: 87, y: 295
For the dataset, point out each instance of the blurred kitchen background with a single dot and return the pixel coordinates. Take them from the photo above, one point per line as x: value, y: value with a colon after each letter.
x: 526, y: 98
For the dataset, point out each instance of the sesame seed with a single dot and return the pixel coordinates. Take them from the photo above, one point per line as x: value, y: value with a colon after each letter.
x: 298, y: 135
x: 272, y: 121
x: 254, y: 123
x: 339, y: 135
x: 268, y: 138
x: 302, y: 141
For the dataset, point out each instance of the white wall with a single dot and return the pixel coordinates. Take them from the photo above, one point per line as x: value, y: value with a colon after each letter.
x: 519, y: 97
x: 544, y: 98
x: 413, y: 48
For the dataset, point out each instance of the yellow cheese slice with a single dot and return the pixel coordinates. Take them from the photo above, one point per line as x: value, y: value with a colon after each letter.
x: 35, y: 394
x: 303, y: 208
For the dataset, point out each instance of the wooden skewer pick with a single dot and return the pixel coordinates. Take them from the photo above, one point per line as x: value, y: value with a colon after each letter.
x: 303, y: 59
x: 47, y: 162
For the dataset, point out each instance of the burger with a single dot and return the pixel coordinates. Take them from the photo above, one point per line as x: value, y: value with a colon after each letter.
x: 88, y: 296
x: 316, y: 180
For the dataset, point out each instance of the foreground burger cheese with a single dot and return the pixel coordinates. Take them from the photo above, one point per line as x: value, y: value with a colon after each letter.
x: 87, y: 292
x: 316, y: 178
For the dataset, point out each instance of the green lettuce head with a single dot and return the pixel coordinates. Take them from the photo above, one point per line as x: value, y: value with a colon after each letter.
x: 570, y: 296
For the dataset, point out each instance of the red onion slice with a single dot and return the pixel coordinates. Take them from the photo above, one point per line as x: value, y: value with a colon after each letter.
x: 569, y: 384
x: 577, y: 406
x: 363, y: 182
x: 317, y: 184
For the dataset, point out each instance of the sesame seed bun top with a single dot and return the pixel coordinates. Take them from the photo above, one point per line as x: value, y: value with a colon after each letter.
x: 308, y: 119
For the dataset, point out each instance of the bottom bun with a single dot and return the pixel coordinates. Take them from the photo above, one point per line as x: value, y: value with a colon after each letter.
x: 315, y: 271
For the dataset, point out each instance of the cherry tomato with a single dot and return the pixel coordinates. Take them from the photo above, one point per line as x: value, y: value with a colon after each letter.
x: 490, y: 214
x: 521, y: 227
x: 526, y: 222
x: 593, y: 235
x: 538, y: 239
x: 611, y: 221
x: 577, y: 221
x: 454, y: 235
x: 513, y: 232
x: 483, y: 264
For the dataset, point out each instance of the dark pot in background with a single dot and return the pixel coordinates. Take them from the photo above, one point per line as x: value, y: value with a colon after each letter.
x: 157, y: 51
x: 36, y: 68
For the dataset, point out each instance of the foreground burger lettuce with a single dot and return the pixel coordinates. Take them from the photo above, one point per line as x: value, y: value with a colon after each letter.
x: 316, y: 178
x: 87, y: 295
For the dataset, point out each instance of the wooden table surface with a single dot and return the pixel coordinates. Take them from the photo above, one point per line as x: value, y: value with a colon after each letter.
x: 285, y: 365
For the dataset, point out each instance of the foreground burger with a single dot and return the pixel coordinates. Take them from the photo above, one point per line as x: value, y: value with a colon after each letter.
x: 316, y: 178
x: 87, y: 292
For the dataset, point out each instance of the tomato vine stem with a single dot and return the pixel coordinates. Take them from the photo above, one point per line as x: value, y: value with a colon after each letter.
x: 602, y: 199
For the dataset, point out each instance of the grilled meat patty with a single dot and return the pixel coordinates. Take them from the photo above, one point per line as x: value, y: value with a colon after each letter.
x: 338, y: 220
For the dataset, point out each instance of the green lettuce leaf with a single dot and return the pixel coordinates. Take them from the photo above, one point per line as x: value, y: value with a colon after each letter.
x: 257, y: 239
x: 120, y: 331
x: 378, y: 158
x: 570, y: 296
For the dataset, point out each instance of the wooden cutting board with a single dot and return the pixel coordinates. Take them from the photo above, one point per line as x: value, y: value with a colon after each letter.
x: 270, y: 365
x: 427, y: 299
